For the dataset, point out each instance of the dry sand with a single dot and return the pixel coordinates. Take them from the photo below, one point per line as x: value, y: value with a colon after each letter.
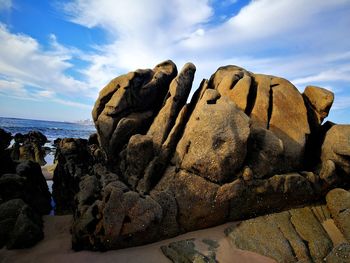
x: 56, y: 247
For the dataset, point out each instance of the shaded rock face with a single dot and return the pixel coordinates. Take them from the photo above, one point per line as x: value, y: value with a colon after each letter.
x: 24, y: 197
x: 28, y: 183
x: 29, y: 147
x: 20, y: 226
x: 74, y: 158
x: 336, y: 147
x: 163, y: 166
x: 6, y: 163
x: 128, y: 103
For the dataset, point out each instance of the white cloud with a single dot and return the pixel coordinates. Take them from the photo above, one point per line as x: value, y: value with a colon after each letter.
x: 325, y: 76
x: 37, y: 73
x: 143, y: 33
x: 5, y: 5
x: 296, y: 39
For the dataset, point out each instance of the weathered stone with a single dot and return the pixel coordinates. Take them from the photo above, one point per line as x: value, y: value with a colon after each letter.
x: 138, y: 155
x: 73, y: 161
x: 234, y: 83
x: 336, y: 147
x: 288, y: 104
x: 29, y: 147
x: 339, y: 254
x: 211, y: 145
x: 319, y: 102
x: 179, y: 90
x: 184, y: 251
x: 338, y: 203
x: 265, y: 153
x: 195, y: 196
x: 251, y: 235
x: 297, y: 236
x: 310, y: 230
x: 139, y: 91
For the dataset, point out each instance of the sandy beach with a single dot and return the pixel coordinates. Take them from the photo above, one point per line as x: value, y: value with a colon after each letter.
x: 56, y: 247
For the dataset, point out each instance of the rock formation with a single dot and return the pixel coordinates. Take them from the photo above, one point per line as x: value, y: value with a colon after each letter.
x: 301, y: 234
x: 29, y: 146
x: 240, y: 148
x: 24, y: 197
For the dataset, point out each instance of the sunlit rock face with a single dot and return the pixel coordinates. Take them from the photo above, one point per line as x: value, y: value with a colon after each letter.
x: 165, y: 164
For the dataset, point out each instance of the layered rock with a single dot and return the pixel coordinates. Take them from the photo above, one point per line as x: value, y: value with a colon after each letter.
x: 164, y: 166
x: 299, y: 235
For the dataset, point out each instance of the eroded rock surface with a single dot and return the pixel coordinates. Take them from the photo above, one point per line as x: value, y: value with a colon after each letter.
x: 29, y: 146
x: 163, y: 166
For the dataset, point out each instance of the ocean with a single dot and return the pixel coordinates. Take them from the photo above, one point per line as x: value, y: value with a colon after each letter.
x: 51, y: 129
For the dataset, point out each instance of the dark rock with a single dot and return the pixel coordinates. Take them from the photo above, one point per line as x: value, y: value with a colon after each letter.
x: 28, y: 184
x: 5, y: 139
x: 93, y: 139
x: 6, y: 163
x: 21, y: 227
x: 73, y: 162
x: 265, y: 153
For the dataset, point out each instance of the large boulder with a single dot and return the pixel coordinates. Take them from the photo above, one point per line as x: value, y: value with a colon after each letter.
x: 162, y: 166
x: 20, y: 226
x: 269, y: 101
x: 73, y: 161
x: 128, y: 103
x: 28, y: 183
x: 319, y: 101
x: 336, y: 147
x: 214, y: 143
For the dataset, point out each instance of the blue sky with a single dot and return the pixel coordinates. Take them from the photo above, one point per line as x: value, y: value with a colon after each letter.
x: 55, y: 56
